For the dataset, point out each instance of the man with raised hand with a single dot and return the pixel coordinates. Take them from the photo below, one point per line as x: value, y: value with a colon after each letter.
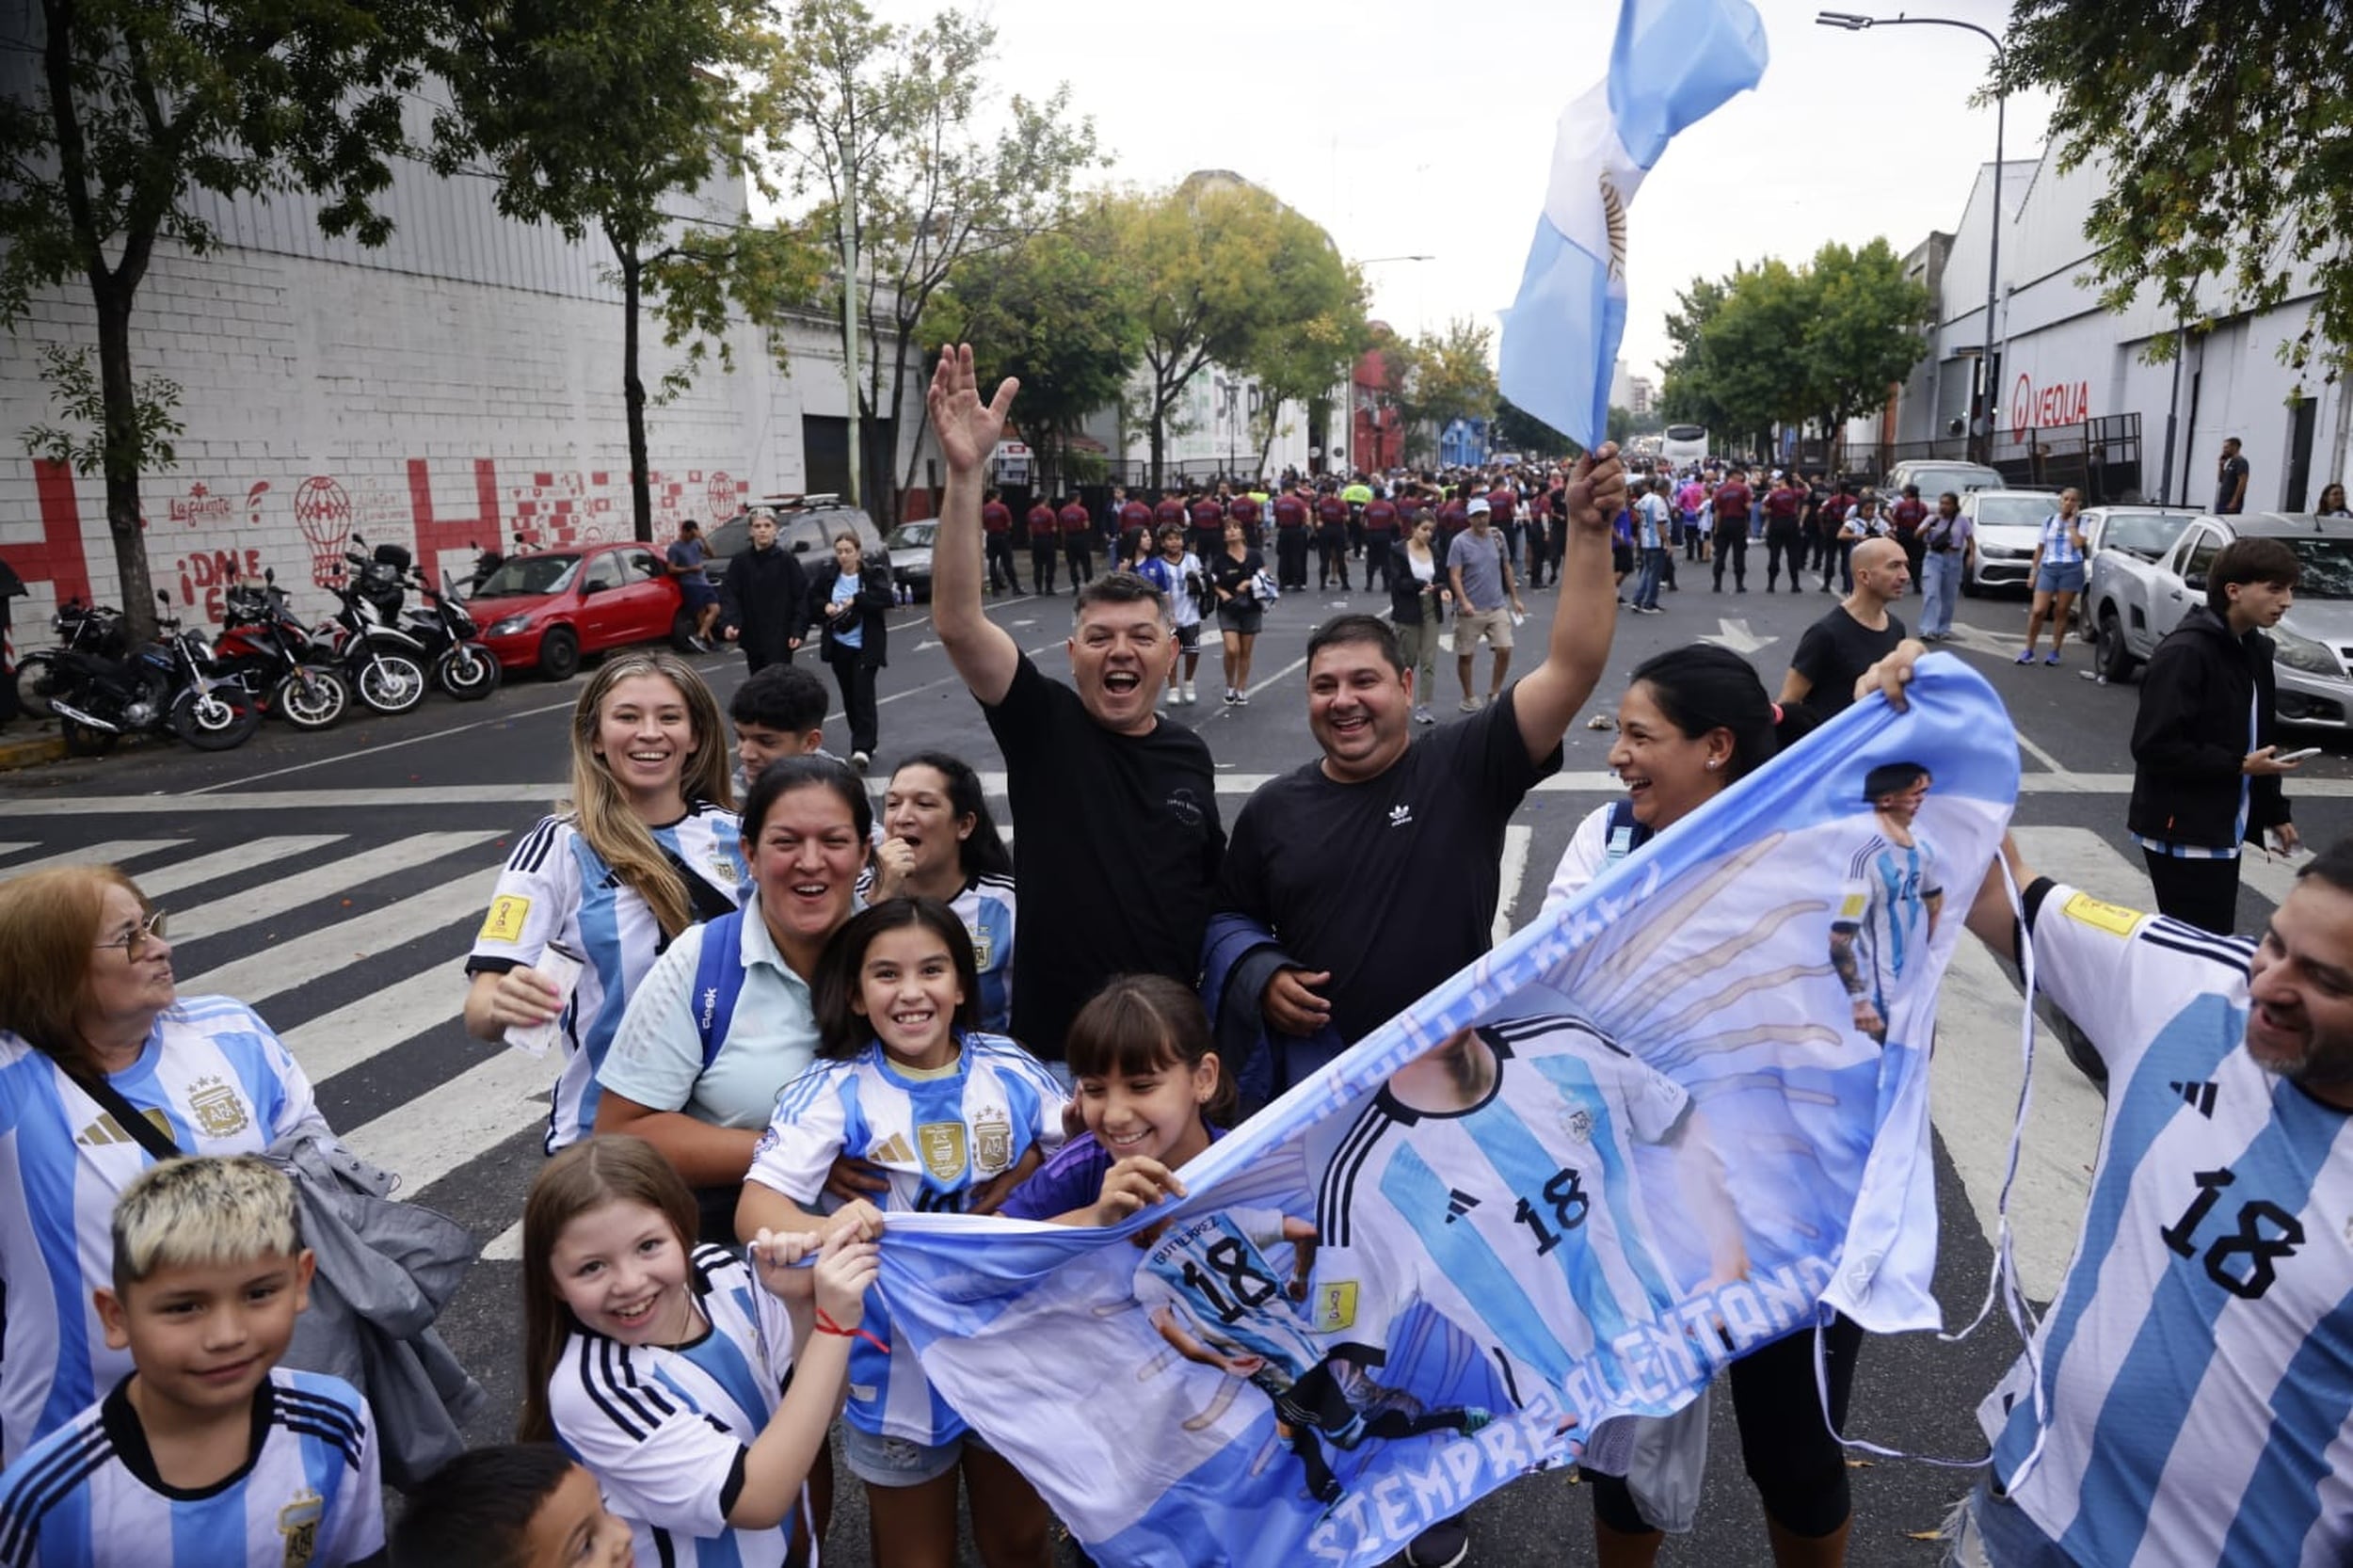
x: 1116, y: 807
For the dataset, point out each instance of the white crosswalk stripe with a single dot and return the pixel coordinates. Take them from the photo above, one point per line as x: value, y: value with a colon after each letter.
x: 112, y: 853
x: 438, y: 1129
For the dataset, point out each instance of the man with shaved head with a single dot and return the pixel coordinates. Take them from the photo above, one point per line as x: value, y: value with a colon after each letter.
x: 1857, y: 633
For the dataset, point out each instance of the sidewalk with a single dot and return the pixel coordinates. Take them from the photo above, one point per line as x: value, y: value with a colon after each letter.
x: 23, y: 744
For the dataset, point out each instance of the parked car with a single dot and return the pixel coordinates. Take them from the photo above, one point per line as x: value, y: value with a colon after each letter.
x: 1935, y: 476
x: 2121, y: 542
x: 2008, y: 525
x: 805, y: 524
x: 2312, y: 644
x: 911, y: 556
x: 548, y: 610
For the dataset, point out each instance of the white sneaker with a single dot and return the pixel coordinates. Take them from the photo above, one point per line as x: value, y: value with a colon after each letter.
x: 1191, y: 695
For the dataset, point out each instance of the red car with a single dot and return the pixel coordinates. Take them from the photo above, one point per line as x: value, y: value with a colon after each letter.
x: 545, y: 610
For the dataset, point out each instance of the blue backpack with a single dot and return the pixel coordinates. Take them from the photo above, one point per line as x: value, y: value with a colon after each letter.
x: 718, y: 981
x: 1625, y: 836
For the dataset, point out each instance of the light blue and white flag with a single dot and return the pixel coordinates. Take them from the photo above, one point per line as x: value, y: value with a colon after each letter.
x: 1673, y: 63
x: 1676, y: 1117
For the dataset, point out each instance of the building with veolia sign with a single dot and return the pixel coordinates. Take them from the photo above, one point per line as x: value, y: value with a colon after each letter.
x: 2072, y: 399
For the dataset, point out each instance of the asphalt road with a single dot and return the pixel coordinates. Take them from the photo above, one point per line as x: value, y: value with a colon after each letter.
x: 335, y: 882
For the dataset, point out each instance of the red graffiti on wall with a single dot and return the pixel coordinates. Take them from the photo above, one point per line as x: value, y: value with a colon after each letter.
x: 213, y: 572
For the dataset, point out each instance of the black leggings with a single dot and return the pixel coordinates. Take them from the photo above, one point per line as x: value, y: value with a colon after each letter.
x: 1798, y: 1467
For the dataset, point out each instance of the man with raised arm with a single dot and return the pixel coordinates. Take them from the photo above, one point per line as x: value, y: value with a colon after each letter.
x: 1114, y: 806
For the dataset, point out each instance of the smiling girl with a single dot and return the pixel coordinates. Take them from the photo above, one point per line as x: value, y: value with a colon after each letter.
x: 906, y: 1082
x: 646, y: 848
x: 940, y: 842
x: 694, y: 1394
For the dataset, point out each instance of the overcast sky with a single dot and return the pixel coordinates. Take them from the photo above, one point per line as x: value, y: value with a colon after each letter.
x: 1408, y: 127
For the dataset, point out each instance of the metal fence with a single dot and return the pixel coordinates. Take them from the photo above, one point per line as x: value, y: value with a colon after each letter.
x: 2101, y: 457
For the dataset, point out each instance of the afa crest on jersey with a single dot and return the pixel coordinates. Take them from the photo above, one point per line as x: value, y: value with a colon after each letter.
x: 219, y: 1109
x: 298, y: 1526
x: 992, y: 1142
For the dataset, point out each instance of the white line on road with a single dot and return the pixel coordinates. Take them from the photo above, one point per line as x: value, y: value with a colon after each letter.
x: 11, y: 849
x: 239, y: 910
x: 108, y: 853
x: 353, y: 1034
x: 271, y: 971
x: 426, y: 1138
x: 388, y: 745
x: 180, y: 874
x: 2039, y: 753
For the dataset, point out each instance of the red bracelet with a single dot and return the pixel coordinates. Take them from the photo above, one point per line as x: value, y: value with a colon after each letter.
x: 826, y: 1325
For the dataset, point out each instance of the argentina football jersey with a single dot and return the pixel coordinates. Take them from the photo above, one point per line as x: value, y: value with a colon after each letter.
x: 1216, y: 1273
x: 1512, y: 1214
x: 1885, y: 906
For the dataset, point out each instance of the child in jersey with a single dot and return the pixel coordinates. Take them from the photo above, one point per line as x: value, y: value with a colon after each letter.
x: 697, y: 1395
x: 649, y: 846
x: 940, y: 840
x: 512, y: 1505
x: 906, y: 1082
x: 1177, y: 572
x: 207, y: 1455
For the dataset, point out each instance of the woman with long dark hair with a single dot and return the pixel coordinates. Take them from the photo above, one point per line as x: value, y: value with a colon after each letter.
x: 847, y: 597
x: 940, y: 842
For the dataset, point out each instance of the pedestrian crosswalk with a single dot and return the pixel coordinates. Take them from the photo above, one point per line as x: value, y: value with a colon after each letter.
x: 353, y: 949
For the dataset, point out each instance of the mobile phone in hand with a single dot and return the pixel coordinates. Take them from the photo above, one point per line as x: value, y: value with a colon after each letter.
x: 2295, y: 756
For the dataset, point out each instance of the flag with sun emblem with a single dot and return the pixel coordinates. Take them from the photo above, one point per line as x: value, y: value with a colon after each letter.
x: 1676, y: 1117
x: 1673, y: 63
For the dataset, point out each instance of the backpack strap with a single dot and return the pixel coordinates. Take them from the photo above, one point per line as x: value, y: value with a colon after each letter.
x: 1626, y: 833
x: 718, y: 981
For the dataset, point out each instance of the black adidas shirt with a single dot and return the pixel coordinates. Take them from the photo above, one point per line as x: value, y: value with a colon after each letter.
x: 1390, y: 884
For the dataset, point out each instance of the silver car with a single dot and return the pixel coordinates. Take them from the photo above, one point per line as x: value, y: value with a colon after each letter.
x: 2312, y: 644
x: 910, y: 546
x: 2008, y: 526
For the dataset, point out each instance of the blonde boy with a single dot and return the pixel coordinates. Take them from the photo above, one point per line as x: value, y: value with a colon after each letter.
x: 206, y: 1454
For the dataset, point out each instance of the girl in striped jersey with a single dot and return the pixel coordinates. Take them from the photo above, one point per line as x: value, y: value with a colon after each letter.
x: 694, y: 1394
x: 940, y: 842
x: 905, y: 1082
x: 648, y: 846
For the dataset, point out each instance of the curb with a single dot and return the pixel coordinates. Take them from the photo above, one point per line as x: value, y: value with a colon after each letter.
x: 29, y: 751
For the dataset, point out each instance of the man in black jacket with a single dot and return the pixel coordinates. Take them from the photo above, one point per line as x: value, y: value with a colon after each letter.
x: 763, y: 599
x: 2205, y: 771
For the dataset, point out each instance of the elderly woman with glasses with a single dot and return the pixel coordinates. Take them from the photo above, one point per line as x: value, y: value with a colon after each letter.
x: 104, y: 1068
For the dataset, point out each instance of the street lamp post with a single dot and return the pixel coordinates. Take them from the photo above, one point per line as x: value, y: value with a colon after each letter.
x: 1854, y: 23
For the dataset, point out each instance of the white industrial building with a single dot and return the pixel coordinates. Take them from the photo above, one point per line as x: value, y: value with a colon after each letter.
x: 2073, y: 399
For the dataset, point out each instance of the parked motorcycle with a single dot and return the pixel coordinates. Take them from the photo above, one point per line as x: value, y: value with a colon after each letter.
x: 269, y: 652
x: 172, y: 686
x: 386, y: 665
x: 93, y: 629
x: 461, y: 665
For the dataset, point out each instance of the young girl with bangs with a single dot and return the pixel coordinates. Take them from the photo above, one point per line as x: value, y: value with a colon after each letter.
x: 907, y: 1081
x: 697, y: 1394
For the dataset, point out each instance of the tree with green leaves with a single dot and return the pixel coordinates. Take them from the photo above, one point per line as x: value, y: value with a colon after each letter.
x: 1454, y: 378
x: 1319, y: 328
x: 1866, y: 328
x: 138, y: 107
x: 1211, y: 260
x: 888, y: 129
x: 611, y: 116
x: 1056, y: 311
x: 2226, y: 134
x: 1517, y: 430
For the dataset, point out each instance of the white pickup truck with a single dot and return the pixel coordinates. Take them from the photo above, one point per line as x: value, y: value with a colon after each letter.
x: 2149, y: 567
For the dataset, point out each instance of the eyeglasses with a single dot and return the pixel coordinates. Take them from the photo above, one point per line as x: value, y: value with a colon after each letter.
x: 135, y: 940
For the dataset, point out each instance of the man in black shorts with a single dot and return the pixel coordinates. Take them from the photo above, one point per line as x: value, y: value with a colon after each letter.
x: 1859, y: 632
x: 1116, y: 807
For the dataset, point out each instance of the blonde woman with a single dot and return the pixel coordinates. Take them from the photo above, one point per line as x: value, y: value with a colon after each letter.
x: 648, y: 845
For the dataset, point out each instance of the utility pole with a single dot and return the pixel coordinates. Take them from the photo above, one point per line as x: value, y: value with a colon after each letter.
x: 849, y: 317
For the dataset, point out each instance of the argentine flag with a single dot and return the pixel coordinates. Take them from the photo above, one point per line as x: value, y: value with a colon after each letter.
x: 1673, y: 62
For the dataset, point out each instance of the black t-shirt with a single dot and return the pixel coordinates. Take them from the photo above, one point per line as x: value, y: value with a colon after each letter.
x: 1390, y: 884
x: 1233, y: 576
x: 1834, y: 652
x: 2234, y: 469
x: 1117, y: 849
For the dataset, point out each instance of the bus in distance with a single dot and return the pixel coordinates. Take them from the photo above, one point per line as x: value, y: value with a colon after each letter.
x: 1683, y: 445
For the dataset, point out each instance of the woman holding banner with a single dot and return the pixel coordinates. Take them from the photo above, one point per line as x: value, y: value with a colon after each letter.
x: 1694, y: 721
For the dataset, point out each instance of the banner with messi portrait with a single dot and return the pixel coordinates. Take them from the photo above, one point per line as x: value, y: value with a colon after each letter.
x: 1674, y: 1118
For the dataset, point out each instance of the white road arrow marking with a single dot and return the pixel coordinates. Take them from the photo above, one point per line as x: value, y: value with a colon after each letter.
x: 1737, y: 636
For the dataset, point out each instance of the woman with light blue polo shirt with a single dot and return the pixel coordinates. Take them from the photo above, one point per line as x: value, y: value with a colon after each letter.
x: 725, y: 1017
x: 2058, y: 576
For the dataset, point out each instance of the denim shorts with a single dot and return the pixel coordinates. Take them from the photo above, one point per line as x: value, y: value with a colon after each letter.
x: 2067, y: 578
x: 896, y: 1461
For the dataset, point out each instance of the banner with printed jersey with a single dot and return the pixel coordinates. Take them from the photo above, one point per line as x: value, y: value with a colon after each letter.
x: 1677, y: 1118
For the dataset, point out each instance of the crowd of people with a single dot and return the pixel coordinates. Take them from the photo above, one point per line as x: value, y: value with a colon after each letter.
x: 776, y: 1021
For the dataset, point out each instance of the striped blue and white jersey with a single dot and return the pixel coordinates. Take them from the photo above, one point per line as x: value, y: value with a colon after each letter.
x: 213, y: 1077
x: 1515, y: 1219
x: 557, y: 888
x: 664, y: 1430
x: 987, y: 908
x: 1215, y: 1273
x: 309, y: 1495
x: 934, y: 1138
x: 2197, y: 1365
x: 1884, y: 903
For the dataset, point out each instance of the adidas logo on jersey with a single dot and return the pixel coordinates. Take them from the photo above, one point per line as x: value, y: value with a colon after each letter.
x: 2198, y: 1095
x: 107, y: 1130
x: 1400, y: 815
x: 1458, y: 1203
